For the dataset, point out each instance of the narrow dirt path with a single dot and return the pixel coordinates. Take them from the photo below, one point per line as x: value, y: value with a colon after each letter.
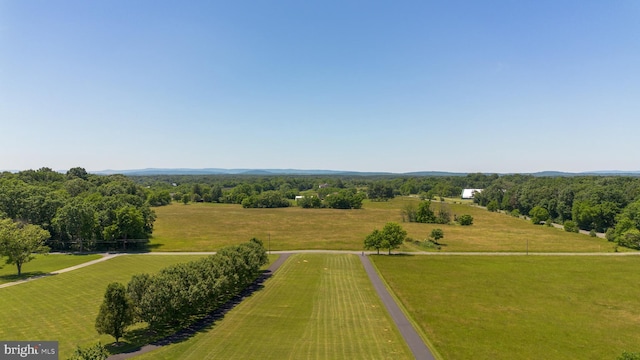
x: 418, y: 348
x: 104, y: 257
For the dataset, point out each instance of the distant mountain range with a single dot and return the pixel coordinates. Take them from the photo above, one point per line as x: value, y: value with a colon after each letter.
x: 266, y: 172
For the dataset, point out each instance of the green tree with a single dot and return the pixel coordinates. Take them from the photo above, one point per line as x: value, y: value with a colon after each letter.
x: 373, y: 241
x: 465, y: 220
x: 344, y: 199
x: 539, y: 214
x: 493, y: 206
x: 308, y: 202
x: 77, y: 172
x: 424, y: 214
x: 216, y: 193
x: 436, y: 234
x: 77, y: 220
x: 20, y: 242
x: 116, y: 312
x: 393, y: 236
x: 379, y: 191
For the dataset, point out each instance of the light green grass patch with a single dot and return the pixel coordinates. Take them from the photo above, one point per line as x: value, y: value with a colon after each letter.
x: 41, y: 265
x: 519, y: 307
x: 315, y: 307
x: 207, y: 227
x: 64, y: 307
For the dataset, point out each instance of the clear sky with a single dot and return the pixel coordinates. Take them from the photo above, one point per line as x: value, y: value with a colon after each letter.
x: 399, y: 86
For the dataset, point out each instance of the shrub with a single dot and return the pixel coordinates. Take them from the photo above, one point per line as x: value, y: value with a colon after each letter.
x: 436, y: 234
x: 593, y: 233
x: 570, y: 226
x: 309, y: 202
x: 267, y: 199
x: 493, y: 206
x: 539, y: 214
x: 465, y: 220
x: 629, y: 356
x: 515, y: 213
x: 429, y: 244
x: 94, y: 352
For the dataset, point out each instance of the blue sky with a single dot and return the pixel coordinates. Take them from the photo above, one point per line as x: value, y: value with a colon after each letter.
x: 465, y: 86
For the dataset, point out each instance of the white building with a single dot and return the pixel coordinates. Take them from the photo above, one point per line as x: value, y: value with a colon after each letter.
x: 468, y: 193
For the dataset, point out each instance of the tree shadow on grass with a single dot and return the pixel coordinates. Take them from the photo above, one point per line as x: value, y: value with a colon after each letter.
x: 133, y: 341
x: 24, y: 276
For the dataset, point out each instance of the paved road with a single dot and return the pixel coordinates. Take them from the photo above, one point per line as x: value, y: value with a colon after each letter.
x: 418, y: 348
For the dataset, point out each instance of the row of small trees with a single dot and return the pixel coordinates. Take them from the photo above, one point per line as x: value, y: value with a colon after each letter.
x: 179, y: 293
x: 424, y: 214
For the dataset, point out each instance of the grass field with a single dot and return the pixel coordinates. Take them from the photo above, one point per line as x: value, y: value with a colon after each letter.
x: 479, y: 307
x: 314, y: 307
x: 206, y: 227
x: 64, y: 307
x: 41, y: 265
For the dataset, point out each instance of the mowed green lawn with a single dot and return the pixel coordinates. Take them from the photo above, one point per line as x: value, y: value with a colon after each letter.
x: 315, y: 307
x: 64, y: 307
x: 519, y: 307
x: 206, y: 227
x: 41, y: 265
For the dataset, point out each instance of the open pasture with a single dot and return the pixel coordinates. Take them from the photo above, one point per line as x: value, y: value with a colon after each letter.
x: 64, y: 307
x: 518, y: 307
x: 207, y: 227
x: 314, y: 307
x: 41, y: 265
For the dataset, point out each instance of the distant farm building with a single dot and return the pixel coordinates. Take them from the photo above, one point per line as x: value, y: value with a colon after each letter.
x: 469, y: 193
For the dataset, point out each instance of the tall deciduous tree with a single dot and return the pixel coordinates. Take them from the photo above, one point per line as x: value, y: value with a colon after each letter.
x: 116, y: 312
x: 19, y: 242
x: 424, y: 214
x: 77, y: 220
x: 392, y: 236
x: 373, y: 240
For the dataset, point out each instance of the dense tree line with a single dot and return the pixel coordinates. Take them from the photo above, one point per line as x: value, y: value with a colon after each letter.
x: 608, y: 204
x: 178, y: 294
x: 80, y: 211
x: 234, y: 189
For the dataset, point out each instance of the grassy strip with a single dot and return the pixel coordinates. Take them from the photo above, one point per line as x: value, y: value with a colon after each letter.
x: 64, y: 307
x: 315, y: 307
x: 520, y: 307
x: 207, y: 227
x: 43, y: 264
